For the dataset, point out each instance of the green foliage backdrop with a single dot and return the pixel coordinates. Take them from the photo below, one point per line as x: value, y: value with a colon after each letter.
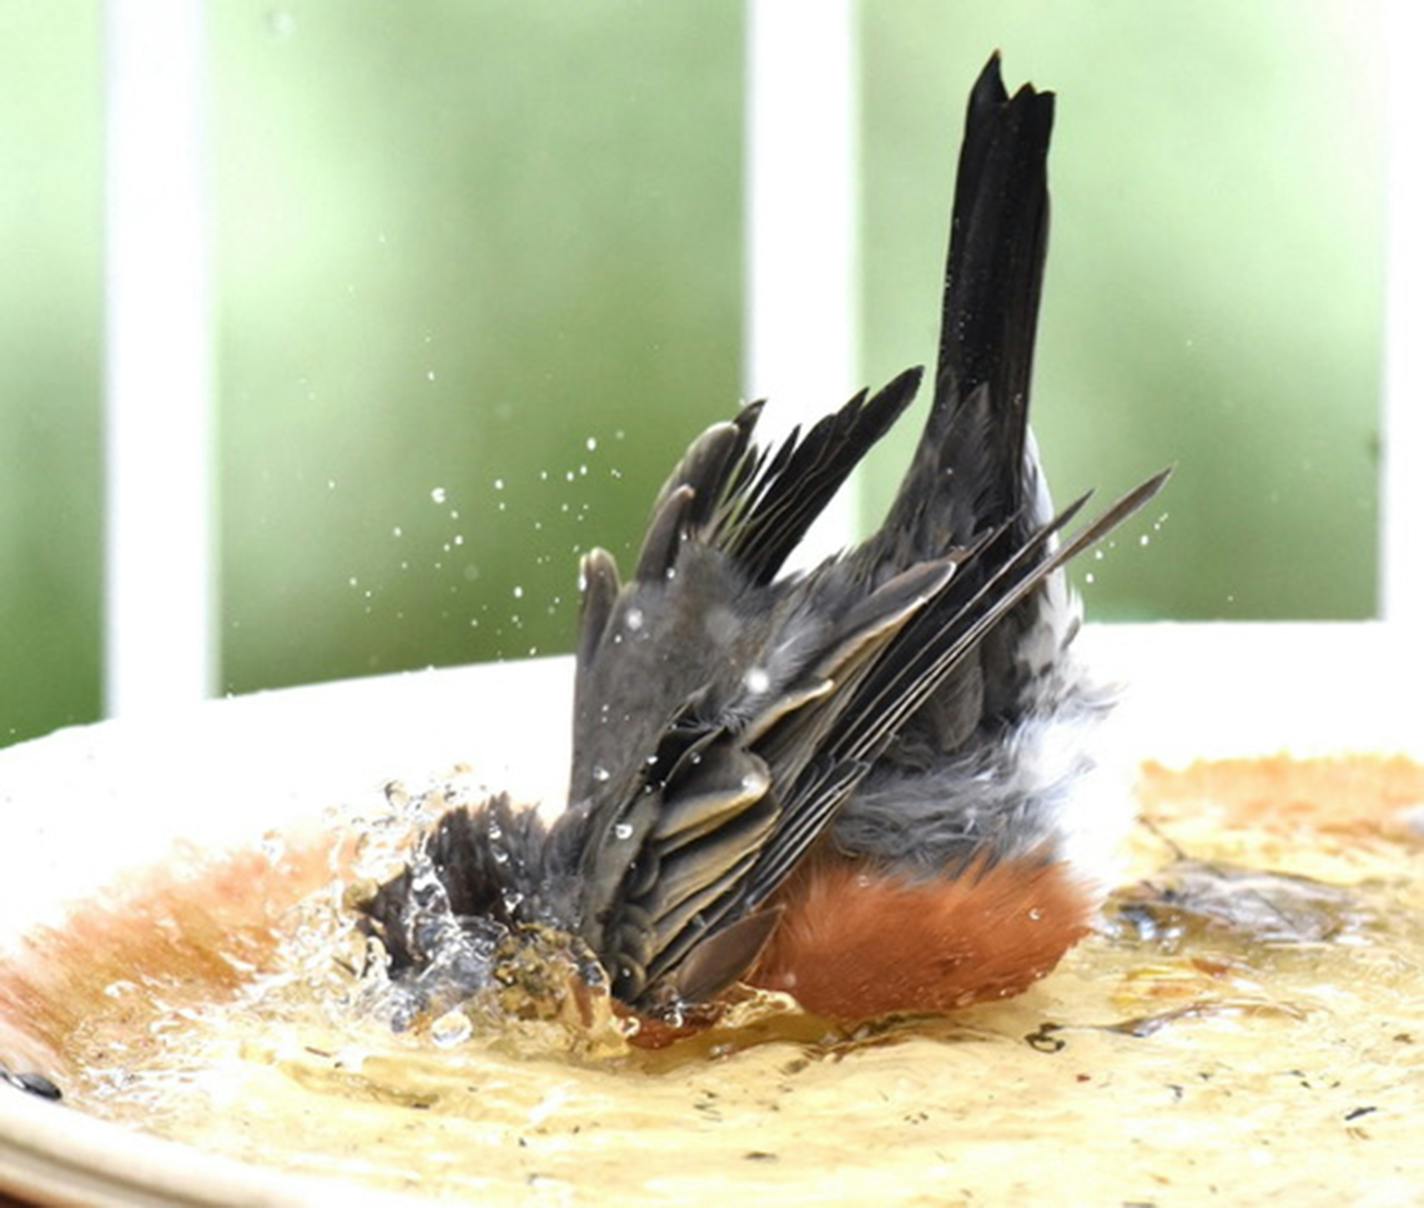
x: 480, y: 278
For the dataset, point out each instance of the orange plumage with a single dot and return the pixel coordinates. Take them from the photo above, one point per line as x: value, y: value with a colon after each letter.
x: 856, y: 942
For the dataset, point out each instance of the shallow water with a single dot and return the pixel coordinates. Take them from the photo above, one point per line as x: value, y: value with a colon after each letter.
x: 1228, y: 1034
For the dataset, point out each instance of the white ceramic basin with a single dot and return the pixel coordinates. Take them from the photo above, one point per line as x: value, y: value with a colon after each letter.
x: 78, y: 807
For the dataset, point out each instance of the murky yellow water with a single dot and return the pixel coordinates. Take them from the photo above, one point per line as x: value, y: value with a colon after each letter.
x: 1230, y: 1036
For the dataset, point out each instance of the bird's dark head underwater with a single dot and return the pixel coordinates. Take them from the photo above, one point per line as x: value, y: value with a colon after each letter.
x: 859, y: 784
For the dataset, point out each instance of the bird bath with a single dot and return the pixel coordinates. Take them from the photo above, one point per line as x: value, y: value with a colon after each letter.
x: 159, y: 875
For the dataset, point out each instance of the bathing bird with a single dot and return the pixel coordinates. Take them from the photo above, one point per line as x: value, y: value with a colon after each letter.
x: 864, y: 784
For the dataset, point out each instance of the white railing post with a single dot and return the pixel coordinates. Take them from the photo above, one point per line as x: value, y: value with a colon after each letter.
x: 159, y: 648
x: 802, y: 128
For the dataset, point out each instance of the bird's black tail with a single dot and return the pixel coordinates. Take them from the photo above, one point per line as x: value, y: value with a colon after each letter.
x: 969, y: 474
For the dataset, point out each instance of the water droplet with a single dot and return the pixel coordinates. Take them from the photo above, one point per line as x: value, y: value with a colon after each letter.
x: 450, y: 1029
x: 499, y: 484
x: 757, y: 680
x: 1088, y: 578
x: 430, y: 375
x: 396, y: 532
x: 590, y: 444
x: 519, y: 593
x: 438, y: 494
x: 1144, y: 539
x: 281, y: 23
x: 634, y: 619
x: 457, y: 539
x: 600, y: 773
x: 1035, y: 914
x: 622, y: 831
x: 331, y: 484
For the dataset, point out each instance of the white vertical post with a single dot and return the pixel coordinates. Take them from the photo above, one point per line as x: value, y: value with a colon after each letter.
x: 159, y: 648
x: 802, y: 225
x: 1402, y: 421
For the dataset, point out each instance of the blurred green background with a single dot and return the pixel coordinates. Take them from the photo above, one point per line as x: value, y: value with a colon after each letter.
x: 480, y: 279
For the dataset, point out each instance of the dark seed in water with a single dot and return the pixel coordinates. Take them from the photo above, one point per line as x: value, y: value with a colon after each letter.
x: 35, y: 1084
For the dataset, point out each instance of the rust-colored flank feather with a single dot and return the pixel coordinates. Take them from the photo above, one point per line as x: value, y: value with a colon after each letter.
x: 855, y: 943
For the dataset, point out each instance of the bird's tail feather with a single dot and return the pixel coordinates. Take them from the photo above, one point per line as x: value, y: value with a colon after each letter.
x: 969, y: 471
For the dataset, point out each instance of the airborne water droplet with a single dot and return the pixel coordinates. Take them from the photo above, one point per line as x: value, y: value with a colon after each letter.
x: 600, y: 773
x: 622, y: 831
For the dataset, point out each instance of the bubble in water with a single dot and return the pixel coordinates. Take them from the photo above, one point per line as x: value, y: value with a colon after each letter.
x: 452, y: 1028
x: 438, y: 494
